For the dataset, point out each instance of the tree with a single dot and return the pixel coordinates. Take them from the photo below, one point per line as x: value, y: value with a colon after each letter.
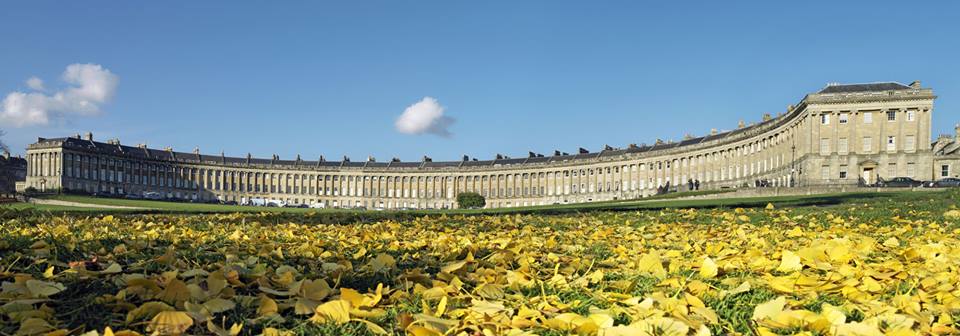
x: 471, y: 200
x: 3, y: 146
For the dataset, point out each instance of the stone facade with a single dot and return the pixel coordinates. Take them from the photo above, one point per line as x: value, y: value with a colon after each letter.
x: 841, y: 135
x: 946, y: 155
x: 12, y: 170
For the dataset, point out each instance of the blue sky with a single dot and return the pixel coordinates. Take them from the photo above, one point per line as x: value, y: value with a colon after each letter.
x: 331, y: 78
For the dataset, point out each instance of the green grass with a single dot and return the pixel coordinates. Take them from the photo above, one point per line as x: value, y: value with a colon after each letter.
x: 734, y: 311
x: 343, y: 215
x: 44, y: 207
x: 169, y: 206
x: 741, y: 202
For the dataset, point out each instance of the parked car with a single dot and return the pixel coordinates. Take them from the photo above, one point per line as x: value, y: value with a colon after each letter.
x: 152, y: 195
x: 230, y: 203
x: 901, y: 182
x: 132, y: 196
x: 949, y: 182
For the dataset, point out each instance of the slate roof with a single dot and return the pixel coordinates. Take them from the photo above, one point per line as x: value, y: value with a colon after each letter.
x: 13, y: 161
x: 865, y: 87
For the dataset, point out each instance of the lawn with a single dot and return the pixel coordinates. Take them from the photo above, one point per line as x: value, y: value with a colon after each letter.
x: 655, y: 202
x: 845, y: 264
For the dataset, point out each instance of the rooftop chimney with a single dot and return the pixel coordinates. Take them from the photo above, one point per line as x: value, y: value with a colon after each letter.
x: 6, y: 154
x: 89, y: 136
x: 766, y: 117
x: 713, y: 131
x: 740, y: 124
x: 915, y: 84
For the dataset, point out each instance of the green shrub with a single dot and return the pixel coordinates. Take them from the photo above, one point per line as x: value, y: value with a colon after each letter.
x: 471, y: 200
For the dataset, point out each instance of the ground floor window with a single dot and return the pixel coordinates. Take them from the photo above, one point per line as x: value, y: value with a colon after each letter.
x: 944, y: 170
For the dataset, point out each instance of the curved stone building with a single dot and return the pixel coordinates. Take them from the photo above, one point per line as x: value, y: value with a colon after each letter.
x: 842, y: 134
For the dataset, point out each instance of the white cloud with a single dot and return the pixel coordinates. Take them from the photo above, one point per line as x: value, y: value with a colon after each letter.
x: 425, y: 116
x: 88, y: 87
x: 35, y: 83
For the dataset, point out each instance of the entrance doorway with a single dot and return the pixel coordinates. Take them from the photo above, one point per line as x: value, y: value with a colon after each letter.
x: 868, y: 176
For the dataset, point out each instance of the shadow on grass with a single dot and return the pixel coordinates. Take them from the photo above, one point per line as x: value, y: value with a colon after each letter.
x: 753, y: 202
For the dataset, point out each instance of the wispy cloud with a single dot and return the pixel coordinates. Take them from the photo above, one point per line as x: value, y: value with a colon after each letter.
x: 88, y: 87
x: 425, y: 117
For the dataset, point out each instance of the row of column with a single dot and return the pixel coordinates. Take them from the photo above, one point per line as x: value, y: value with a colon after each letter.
x: 729, y: 164
x: 43, y: 164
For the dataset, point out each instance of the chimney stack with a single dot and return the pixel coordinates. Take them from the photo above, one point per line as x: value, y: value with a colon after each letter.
x: 956, y: 130
x: 89, y: 136
x: 766, y: 116
x: 915, y: 84
x: 741, y: 124
x: 713, y: 131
